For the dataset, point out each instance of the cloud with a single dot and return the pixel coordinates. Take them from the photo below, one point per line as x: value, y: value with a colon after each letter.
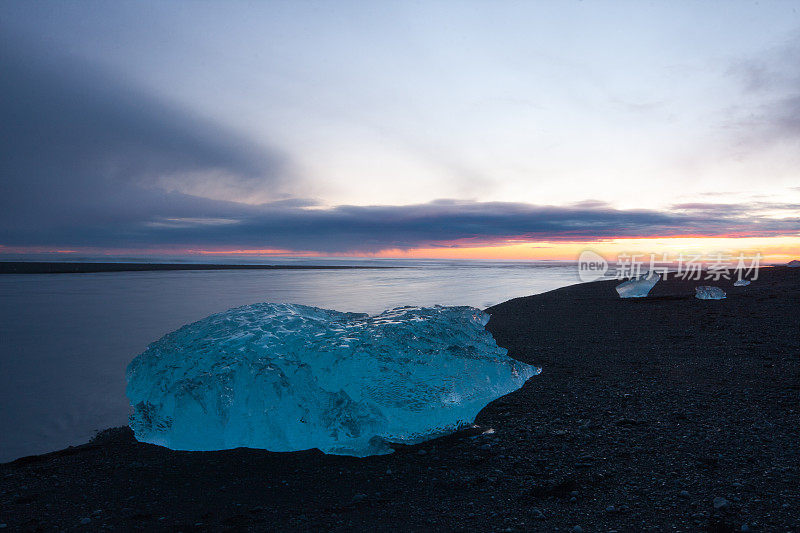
x: 753, y: 209
x: 770, y: 110
x: 367, y: 229
x: 86, y: 161
x: 78, y: 147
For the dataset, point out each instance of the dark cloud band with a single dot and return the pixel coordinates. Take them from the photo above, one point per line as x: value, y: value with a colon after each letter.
x: 229, y: 225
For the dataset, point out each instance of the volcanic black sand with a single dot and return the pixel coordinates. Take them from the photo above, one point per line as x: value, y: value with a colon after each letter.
x: 665, y: 413
x: 42, y: 267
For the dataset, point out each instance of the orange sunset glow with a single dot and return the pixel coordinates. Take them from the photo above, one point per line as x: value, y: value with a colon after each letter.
x: 771, y: 250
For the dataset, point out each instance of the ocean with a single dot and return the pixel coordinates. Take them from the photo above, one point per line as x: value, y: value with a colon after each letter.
x: 65, y: 339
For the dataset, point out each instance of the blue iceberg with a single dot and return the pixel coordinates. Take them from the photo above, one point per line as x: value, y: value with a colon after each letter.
x: 286, y: 377
x: 707, y: 292
x: 638, y: 286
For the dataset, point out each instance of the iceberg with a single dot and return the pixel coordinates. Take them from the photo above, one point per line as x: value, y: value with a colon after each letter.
x: 706, y: 292
x: 287, y: 377
x: 794, y: 263
x: 638, y: 286
x: 741, y: 283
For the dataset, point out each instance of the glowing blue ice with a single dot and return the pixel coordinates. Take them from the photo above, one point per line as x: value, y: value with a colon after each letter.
x: 290, y: 377
x: 638, y: 286
x: 707, y: 292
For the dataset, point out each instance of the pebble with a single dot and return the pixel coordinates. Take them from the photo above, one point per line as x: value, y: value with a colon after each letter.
x: 610, y: 509
x: 684, y: 494
x: 85, y: 521
x: 422, y: 452
x: 577, y: 529
x: 721, y: 504
x: 537, y: 513
x: 745, y: 528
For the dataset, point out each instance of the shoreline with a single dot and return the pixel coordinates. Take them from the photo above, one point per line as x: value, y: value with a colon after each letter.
x: 665, y: 412
x: 44, y: 267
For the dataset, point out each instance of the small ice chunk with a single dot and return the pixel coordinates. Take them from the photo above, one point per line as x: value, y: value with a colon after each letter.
x: 639, y: 286
x: 706, y: 292
x: 287, y: 377
x: 741, y: 283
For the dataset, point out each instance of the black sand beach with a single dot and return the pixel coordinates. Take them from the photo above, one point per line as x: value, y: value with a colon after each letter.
x: 665, y: 414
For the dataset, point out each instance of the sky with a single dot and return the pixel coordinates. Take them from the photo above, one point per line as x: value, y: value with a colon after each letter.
x: 502, y: 130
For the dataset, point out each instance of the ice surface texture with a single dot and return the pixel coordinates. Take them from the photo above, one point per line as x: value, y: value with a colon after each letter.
x: 638, y: 287
x: 705, y: 292
x: 290, y: 377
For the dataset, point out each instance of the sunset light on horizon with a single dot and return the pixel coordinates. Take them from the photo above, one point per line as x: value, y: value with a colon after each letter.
x: 776, y: 250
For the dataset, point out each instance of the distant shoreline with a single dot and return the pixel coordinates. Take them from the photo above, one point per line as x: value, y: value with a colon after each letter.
x: 41, y: 267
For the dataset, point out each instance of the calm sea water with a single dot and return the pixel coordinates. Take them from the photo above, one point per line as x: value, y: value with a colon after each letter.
x: 65, y: 339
